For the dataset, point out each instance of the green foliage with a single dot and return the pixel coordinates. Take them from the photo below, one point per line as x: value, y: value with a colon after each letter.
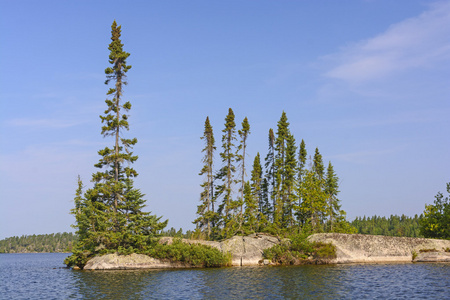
x: 78, y: 258
x: 343, y: 226
x: 299, y: 250
x: 55, y: 242
x: 392, y: 226
x: 196, y: 254
x: 436, y: 218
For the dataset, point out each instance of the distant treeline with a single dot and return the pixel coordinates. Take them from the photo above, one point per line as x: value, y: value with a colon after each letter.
x: 174, y: 233
x: 62, y: 242
x: 392, y: 226
x: 54, y: 242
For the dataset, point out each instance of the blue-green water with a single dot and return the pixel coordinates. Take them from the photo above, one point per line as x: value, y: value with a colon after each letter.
x: 42, y: 276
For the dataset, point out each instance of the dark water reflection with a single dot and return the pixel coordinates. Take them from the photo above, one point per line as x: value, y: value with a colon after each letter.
x: 39, y: 276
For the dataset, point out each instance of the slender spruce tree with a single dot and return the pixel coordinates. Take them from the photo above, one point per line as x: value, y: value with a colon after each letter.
x: 227, y: 175
x: 302, y: 155
x: 331, y: 190
x: 270, y: 172
x: 240, y: 157
x: 289, y: 183
x: 280, y: 169
x: 318, y: 166
x: 256, y: 182
x: 205, y: 210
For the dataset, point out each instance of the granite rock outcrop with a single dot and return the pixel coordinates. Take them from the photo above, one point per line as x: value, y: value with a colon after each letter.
x: 361, y: 248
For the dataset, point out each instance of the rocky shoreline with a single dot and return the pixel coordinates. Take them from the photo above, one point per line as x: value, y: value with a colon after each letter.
x: 248, y: 251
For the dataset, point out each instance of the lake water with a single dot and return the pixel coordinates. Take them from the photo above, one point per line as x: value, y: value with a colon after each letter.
x: 42, y: 276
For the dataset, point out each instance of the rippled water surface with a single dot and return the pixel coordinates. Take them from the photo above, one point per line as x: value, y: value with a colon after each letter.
x: 42, y: 276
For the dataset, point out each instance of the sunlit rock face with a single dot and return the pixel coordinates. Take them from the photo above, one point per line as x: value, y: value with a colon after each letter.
x: 360, y: 248
x: 129, y: 262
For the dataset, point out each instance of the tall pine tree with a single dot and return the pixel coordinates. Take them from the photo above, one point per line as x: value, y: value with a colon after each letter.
x: 243, y: 133
x: 205, y: 210
x: 280, y: 170
x: 110, y: 215
x: 269, y: 182
x: 302, y: 154
x: 289, y: 183
x: 331, y: 190
x: 227, y: 175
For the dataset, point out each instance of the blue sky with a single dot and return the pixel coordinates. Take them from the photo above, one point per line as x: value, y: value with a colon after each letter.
x: 367, y: 82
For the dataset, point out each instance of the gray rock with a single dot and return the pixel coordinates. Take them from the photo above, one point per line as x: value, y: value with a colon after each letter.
x: 360, y: 248
x: 433, y: 257
x: 132, y: 261
x: 248, y: 250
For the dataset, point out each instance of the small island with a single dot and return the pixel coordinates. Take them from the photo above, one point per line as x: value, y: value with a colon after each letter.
x: 287, y: 212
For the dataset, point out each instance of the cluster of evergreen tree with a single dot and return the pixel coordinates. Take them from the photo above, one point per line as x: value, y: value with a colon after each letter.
x: 392, y: 226
x: 285, y: 194
x: 55, y: 242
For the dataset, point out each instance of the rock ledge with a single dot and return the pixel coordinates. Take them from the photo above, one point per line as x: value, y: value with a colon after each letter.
x: 361, y: 248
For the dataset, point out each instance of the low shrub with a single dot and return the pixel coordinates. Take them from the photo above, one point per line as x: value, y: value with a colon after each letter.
x: 299, y: 250
x: 196, y: 255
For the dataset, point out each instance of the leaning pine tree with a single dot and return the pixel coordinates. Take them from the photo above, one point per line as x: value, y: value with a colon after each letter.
x: 109, y: 216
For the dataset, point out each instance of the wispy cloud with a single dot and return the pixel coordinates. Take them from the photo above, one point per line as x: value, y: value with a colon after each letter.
x: 420, y: 42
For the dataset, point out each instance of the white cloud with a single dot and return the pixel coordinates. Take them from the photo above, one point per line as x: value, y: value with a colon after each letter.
x: 421, y: 42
